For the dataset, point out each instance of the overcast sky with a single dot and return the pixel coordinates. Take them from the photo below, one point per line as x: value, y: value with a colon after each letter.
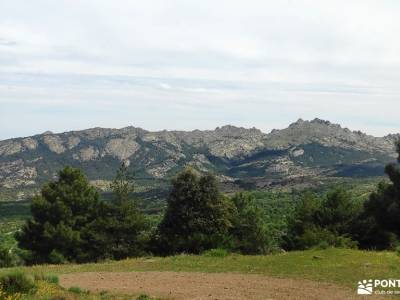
x: 171, y: 64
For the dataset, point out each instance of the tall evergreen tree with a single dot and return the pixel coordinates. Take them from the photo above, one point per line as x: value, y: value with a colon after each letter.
x: 249, y: 232
x: 59, y: 213
x: 123, y: 185
x: 120, y: 230
x: 384, y: 204
x: 327, y: 220
x: 197, y: 216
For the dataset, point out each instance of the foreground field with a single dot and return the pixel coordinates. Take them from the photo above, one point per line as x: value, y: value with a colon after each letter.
x: 194, y: 285
x: 342, y: 267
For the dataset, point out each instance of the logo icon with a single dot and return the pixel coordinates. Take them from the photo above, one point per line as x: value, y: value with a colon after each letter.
x: 365, y: 287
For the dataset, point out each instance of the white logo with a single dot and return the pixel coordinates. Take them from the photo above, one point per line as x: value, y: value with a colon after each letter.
x: 365, y: 287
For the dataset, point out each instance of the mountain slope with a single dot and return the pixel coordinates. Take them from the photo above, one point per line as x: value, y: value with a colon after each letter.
x: 305, y: 151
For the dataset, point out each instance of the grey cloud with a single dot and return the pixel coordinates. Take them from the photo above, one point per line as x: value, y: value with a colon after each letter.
x: 204, y: 62
x: 7, y: 43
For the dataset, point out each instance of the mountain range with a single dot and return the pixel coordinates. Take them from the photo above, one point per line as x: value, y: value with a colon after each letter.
x: 305, y: 152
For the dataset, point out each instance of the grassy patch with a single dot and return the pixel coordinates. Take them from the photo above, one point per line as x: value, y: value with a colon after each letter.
x: 16, y: 282
x: 50, y: 278
x: 22, y: 286
x: 341, y: 266
x: 77, y: 290
x: 216, y: 253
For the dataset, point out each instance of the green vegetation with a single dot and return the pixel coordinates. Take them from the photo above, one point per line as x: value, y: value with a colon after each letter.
x: 216, y: 253
x: 197, y: 216
x: 12, y: 216
x: 327, y: 221
x: 384, y: 204
x: 249, y: 233
x: 60, y: 214
x: 17, y: 282
x: 70, y: 223
x: 341, y: 266
x: 50, y: 278
x: 21, y: 285
x: 120, y: 229
x: 77, y: 290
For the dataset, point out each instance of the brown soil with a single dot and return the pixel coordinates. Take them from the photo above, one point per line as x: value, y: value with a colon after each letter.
x: 183, y: 285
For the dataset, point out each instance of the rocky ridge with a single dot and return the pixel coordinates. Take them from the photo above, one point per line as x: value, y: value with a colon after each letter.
x: 306, y: 149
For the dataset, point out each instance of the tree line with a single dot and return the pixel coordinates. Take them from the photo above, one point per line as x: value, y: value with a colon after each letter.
x: 71, y: 223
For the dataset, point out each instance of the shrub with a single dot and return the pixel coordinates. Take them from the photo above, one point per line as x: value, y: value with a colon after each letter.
x: 50, y: 278
x: 17, y: 282
x: 398, y: 250
x: 8, y: 258
x: 323, y: 245
x: 76, y: 290
x: 216, y: 253
x: 324, y: 221
x: 143, y: 297
x: 249, y: 232
x: 56, y: 258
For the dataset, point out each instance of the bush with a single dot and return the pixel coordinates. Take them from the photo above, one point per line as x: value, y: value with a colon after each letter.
x: 321, y: 238
x: 323, y: 222
x: 50, y: 278
x: 56, y: 258
x: 17, y: 282
x: 143, y: 297
x: 249, y: 233
x: 77, y: 290
x: 323, y: 245
x: 398, y: 250
x: 9, y: 258
x: 216, y: 253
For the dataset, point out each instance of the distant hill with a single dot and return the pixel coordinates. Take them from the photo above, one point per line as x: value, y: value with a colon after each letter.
x: 303, y: 153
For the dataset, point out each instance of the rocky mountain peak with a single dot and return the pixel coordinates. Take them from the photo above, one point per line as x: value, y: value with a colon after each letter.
x: 321, y: 122
x: 327, y: 134
x: 315, y: 122
x: 237, y: 131
x: 231, y: 151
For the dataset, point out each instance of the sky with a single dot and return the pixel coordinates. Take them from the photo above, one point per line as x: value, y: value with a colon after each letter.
x: 183, y: 64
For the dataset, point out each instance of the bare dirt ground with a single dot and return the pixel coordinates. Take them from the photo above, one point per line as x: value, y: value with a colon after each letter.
x: 221, y: 286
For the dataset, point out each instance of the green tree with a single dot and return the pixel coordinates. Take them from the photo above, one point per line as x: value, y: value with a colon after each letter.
x: 249, y: 232
x: 328, y: 221
x: 59, y: 214
x: 338, y: 212
x: 384, y: 205
x: 9, y: 257
x: 303, y: 223
x: 120, y: 230
x: 123, y: 185
x: 197, y: 216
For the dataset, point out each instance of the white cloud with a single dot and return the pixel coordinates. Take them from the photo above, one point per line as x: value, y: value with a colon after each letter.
x: 202, y: 63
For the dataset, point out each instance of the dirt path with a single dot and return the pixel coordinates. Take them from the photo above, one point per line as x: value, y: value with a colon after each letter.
x: 182, y: 285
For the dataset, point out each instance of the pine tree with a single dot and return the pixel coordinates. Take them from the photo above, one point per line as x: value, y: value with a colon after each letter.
x: 197, y: 216
x: 384, y: 204
x: 59, y: 214
x: 249, y: 232
x: 120, y: 230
